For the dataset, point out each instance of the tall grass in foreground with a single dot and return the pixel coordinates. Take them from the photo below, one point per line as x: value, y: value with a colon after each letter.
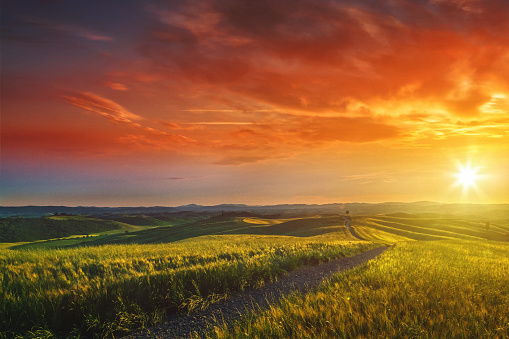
x: 444, y: 289
x: 103, y: 291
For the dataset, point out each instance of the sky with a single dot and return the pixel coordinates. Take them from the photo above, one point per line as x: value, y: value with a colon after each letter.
x: 143, y: 103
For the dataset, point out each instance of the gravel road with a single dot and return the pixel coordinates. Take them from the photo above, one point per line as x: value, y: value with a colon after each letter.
x: 239, y: 305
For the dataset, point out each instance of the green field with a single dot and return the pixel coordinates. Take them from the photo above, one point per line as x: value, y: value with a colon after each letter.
x: 65, y: 231
x: 32, y: 229
x: 444, y: 276
x: 436, y: 289
x: 110, y: 289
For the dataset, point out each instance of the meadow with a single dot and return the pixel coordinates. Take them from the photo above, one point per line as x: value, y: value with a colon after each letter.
x: 108, y: 290
x: 444, y: 276
x: 33, y: 229
x: 435, y: 289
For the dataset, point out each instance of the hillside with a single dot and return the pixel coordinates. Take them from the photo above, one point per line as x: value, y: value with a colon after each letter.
x: 170, y: 263
x: 171, y: 227
x: 409, y: 227
x: 289, y: 210
x: 33, y: 229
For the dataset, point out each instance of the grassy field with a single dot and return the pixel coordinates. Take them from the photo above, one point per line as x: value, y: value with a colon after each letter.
x: 110, y: 289
x: 436, y: 289
x: 66, y: 231
x: 17, y: 229
x: 116, y: 280
x: 166, y: 228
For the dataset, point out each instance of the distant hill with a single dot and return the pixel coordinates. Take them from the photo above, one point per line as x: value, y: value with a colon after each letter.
x: 31, y: 229
x: 497, y: 211
x: 39, y: 211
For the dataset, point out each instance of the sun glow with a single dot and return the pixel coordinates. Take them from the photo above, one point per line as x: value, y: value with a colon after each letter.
x: 467, y: 176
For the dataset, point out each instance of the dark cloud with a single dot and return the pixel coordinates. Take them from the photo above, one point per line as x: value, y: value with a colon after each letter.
x: 314, y: 55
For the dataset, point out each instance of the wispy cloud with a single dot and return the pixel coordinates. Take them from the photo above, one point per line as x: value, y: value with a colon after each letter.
x: 102, y: 106
x: 87, y: 33
x: 219, y: 123
x: 117, y: 114
x: 117, y: 86
x: 36, y: 30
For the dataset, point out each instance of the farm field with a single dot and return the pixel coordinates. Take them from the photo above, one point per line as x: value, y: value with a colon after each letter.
x: 65, y: 231
x: 110, y: 289
x: 434, y: 289
x: 107, y: 285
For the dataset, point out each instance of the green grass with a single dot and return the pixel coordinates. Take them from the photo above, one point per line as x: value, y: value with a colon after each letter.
x: 65, y: 231
x: 437, y: 289
x: 435, y: 227
x: 393, y: 228
x: 377, y: 235
x: 111, y: 289
x: 32, y: 229
x: 170, y: 228
x: 114, y: 281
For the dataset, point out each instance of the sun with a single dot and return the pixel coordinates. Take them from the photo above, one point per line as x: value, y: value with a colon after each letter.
x: 467, y: 176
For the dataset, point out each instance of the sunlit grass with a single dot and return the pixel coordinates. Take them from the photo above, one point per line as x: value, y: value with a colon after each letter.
x: 373, y: 234
x: 108, y: 290
x: 111, y: 289
x: 444, y: 289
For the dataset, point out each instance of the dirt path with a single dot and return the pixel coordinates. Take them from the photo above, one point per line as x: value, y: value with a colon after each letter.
x: 355, y: 233
x: 239, y: 305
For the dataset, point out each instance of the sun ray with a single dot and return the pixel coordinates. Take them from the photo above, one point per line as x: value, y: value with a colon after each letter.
x: 467, y: 177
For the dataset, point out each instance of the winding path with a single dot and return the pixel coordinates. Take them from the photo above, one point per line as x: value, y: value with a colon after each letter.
x: 239, y: 305
x: 355, y: 233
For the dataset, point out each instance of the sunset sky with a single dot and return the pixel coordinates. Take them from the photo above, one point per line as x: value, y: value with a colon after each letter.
x: 141, y: 103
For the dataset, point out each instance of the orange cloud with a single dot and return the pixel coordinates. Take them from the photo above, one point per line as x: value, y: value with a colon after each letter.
x: 117, y: 114
x: 318, y: 56
x: 285, y: 135
x: 117, y: 86
x: 346, y: 129
x: 303, y: 74
x: 102, y: 106
x: 174, y: 125
x: 155, y: 143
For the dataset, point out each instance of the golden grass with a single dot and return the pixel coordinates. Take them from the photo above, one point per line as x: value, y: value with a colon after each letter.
x: 111, y: 289
x: 438, y: 289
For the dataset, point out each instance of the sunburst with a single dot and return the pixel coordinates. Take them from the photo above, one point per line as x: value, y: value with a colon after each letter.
x: 467, y: 176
